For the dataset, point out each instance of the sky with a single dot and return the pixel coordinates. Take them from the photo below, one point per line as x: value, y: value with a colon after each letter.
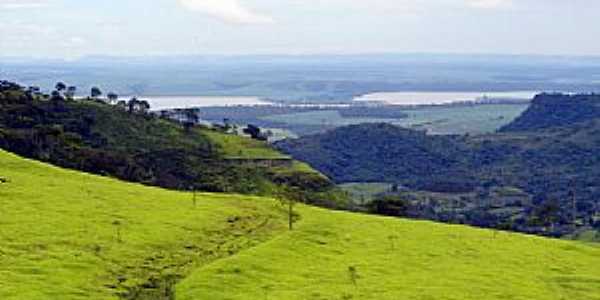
x: 76, y: 28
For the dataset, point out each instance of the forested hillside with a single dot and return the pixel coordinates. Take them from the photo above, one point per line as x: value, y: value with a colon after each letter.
x: 555, y: 110
x: 126, y: 141
x: 551, y: 164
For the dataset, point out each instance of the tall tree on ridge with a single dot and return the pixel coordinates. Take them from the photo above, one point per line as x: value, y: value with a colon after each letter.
x: 95, y: 92
x: 70, y: 93
x: 60, y: 86
x: 112, y: 97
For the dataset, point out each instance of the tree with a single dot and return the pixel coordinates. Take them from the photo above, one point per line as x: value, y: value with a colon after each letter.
x: 117, y: 225
x: 190, y: 118
x: 60, y: 86
x: 392, y: 205
x: 122, y: 104
x: 547, y: 214
x: 34, y: 90
x: 289, y: 197
x: 573, y: 196
x: 353, y: 273
x: 131, y: 105
x: 112, y: 98
x: 95, y: 92
x: 55, y: 96
x: 70, y: 93
x: 143, y: 106
x: 228, y: 125
x: 135, y: 105
x: 255, y: 133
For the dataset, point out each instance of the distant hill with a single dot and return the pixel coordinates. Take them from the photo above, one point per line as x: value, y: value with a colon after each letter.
x: 70, y: 235
x: 554, y: 168
x: 134, y: 145
x: 374, y: 152
x: 555, y: 110
x: 323, y: 78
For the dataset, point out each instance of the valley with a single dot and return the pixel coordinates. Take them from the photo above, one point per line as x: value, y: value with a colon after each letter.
x: 547, y: 159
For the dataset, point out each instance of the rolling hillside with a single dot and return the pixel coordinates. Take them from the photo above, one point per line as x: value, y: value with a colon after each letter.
x: 336, y: 255
x: 68, y: 235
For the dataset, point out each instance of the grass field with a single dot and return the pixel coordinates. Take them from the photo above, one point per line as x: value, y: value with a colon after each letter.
x: 233, y: 146
x: 67, y: 235
x: 323, y: 117
x: 472, y: 119
x: 336, y: 255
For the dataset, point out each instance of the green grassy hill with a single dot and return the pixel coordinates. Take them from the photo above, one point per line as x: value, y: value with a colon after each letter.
x: 68, y: 235
x: 335, y: 255
x: 237, y: 147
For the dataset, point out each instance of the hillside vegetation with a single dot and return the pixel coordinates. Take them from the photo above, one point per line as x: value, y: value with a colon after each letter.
x: 127, y: 142
x: 555, y: 110
x: 68, y: 235
x: 555, y: 168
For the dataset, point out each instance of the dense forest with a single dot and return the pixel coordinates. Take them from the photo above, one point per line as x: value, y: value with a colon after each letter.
x: 554, y: 110
x: 539, y: 174
x: 124, y: 140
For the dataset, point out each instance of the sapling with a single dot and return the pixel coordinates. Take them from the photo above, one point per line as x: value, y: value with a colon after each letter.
x: 117, y: 225
x: 289, y: 196
x: 353, y: 272
x: 266, y: 289
x: 392, y: 238
x: 194, y: 197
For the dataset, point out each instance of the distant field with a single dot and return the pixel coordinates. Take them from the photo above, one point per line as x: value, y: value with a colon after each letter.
x: 323, y: 117
x: 459, y: 119
x: 445, y: 119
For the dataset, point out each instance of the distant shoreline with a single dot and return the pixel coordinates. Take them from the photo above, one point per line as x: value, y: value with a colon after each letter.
x: 406, y: 99
x: 443, y: 98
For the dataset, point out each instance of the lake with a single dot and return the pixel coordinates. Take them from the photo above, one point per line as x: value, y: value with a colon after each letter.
x: 427, y: 98
x: 169, y: 102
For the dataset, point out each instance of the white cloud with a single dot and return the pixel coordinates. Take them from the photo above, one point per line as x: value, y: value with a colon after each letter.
x: 231, y: 11
x: 18, y: 4
x: 235, y: 11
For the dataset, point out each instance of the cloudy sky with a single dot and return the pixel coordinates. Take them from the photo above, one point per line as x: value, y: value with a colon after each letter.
x: 73, y: 28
